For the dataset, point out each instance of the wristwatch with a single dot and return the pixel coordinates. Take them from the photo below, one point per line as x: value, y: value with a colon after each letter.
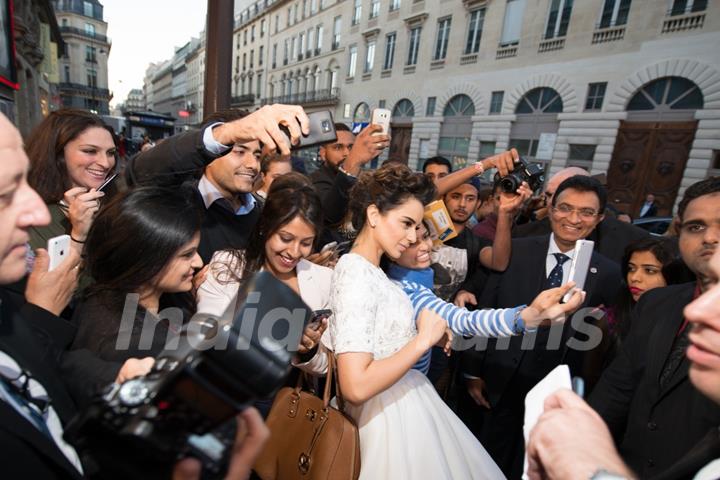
x: 602, y: 474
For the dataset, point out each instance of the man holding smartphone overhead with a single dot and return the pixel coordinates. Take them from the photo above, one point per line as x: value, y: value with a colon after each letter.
x: 499, y: 377
x: 223, y: 158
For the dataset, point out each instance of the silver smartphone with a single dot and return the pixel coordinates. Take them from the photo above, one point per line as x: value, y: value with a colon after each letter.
x: 580, y: 265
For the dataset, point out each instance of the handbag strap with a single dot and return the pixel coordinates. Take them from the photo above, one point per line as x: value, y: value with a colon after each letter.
x: 332, y: 376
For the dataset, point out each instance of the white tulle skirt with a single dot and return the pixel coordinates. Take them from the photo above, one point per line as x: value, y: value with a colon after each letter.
x: 408, y: 432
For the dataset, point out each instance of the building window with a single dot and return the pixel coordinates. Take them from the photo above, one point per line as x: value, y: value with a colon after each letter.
x: 67, y: 73
x: 274, y: 55
x: 346, y: 110
x: 357, y: 12
x: 403, y: 109
x: 313, y: 6
x: 352, y: 61
x: 443, y: 35
x: 595, y: 96
x: 381, y: 103
x: 374, y: 8
x: 525, y: 147
x: 90, y: 29
x: 301, y: 43
x: 245, y: 37
x: 558, y: 18
x: 90, y: 54
x: 389, y: 50
x: 475, y: 26
x: 92, y: 78
x: 261, y: 54
x: 512, y: 24
x: 286, y: 51
x: 668, y: 93
x: 496, y: 101
x: 715, y: 164
x: 430, y: 108
x: 581, y: 156
x: 277, y: 23
x: 456, y: 128
x: 370, y: 57
x: 319, y: 39
x: 252, y: 33
x: 88, y: 9
x: 614, y: 13
x: 289, y: 15
x: 259, y: 84
x: 244, y: 61
x: 252, y: 58
x: 362, y: 113
x: 540, y: 100
x: 394, y: 5
x: 487, y: 149
x: 337, y: 26
x: 681, y: 7
x: 413, y: 46
x: 294, y: 48
x: 262, y: 28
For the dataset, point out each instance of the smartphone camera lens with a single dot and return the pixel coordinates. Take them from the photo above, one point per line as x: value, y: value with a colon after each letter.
x: 325, y: 126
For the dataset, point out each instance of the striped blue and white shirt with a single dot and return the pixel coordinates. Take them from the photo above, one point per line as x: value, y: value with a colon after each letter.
x: 496, y: 322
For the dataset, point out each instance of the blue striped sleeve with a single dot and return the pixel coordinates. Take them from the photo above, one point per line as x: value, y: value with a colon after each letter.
x: 497, y: 322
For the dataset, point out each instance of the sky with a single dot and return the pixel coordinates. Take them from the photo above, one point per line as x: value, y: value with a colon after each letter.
x: 145, y: 31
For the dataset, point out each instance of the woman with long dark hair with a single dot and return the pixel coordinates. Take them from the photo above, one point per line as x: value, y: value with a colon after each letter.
x: 286, y: 232
x: 72, y: 152
x: 142, y: 245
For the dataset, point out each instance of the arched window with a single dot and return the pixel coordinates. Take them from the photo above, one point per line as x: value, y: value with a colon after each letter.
x: 540, y: 100
x: 362, y: 113
x: 536, y: 114
x: 403, y: 109
x: 669, y: 93
x: 459, y: 105
x: 456, y: 129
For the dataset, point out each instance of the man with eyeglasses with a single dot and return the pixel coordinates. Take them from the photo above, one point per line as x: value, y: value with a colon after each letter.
x: 610, y: 235
x: 505, y: 371
x: 645, y: 396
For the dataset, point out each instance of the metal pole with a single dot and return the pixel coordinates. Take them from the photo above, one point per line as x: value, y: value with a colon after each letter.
x: 218, y: 55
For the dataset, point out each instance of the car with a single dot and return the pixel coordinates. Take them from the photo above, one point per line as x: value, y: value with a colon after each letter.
x: 654, y: 225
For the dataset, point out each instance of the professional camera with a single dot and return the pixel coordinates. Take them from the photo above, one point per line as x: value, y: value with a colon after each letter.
x: 532, y: 173
x: 186, y: 405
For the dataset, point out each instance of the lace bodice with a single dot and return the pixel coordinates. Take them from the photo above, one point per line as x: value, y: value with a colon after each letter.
x: 370, y: 312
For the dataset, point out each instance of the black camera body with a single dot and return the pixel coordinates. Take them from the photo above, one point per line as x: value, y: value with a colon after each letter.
x: 187, y: 403
x: 532, y: 173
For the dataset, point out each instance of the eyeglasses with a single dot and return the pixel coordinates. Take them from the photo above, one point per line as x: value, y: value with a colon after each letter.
x: 565, y: 210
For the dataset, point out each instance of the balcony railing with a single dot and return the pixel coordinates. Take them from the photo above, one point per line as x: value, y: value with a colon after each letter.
x: 506, y: 51
x: 608, y: 34
x: 78, y: 89
x: 318, y: 97
x: 551, y: 44
x: 679, y: 23
x: 82, y: 33
x: 243, y: 100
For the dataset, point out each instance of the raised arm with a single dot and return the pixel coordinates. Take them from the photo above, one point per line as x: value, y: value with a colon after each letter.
x: 504, y: 162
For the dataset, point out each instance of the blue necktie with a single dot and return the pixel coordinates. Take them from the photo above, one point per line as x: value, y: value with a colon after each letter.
x: 556, y: 274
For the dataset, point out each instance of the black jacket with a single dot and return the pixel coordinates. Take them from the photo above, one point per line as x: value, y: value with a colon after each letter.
x: 611, y: 236
x: 182, y: 159
x: 334, y: 191
x: 653, y: 428
x: 34, y: 338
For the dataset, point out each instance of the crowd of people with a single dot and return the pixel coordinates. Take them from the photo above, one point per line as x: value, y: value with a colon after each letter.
x: 437, y: 343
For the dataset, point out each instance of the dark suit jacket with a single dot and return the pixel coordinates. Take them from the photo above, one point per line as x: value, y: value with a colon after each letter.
x: 653, y: 428
x: 30, y: 338
x: 333, y: 188
x: 652, y: 211
x: 523, y: 280
x: 611, y: 236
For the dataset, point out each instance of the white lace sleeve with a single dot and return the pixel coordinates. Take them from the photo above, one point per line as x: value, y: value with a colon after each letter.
x: 352, y: 326
x: 216, y: 293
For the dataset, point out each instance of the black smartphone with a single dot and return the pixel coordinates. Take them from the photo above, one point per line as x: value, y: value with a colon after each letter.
x: 317, y: 317
x: 322, y: 130
x: 107, y: 182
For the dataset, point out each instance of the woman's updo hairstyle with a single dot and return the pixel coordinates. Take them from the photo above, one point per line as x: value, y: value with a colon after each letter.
x: 387, y: 188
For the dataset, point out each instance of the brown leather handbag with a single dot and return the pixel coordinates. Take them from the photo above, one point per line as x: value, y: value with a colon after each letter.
x: 310, y: 439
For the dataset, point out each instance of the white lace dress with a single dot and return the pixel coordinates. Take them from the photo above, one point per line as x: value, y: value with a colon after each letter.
x: 406, y: 431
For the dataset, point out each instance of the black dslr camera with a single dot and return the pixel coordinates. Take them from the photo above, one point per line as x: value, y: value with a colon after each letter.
x: 186, y: 405
x: 532, y: 173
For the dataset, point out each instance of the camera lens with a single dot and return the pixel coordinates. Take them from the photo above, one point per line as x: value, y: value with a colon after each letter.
x: 325, y: 126
x: 509, y: 184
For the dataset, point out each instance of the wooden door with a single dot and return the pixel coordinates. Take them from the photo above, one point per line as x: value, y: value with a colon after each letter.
x: 400, y: 143
x: 649, y: 157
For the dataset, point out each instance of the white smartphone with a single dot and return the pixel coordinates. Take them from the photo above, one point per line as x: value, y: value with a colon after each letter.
x: 58, y: 248
x: 381, y: 116
x: 580, y: 265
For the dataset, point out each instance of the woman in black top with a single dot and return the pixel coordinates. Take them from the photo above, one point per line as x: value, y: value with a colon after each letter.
x: 142, y: 245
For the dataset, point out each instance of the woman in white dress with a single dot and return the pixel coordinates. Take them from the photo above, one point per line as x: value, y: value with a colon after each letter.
x: 406, y: 430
